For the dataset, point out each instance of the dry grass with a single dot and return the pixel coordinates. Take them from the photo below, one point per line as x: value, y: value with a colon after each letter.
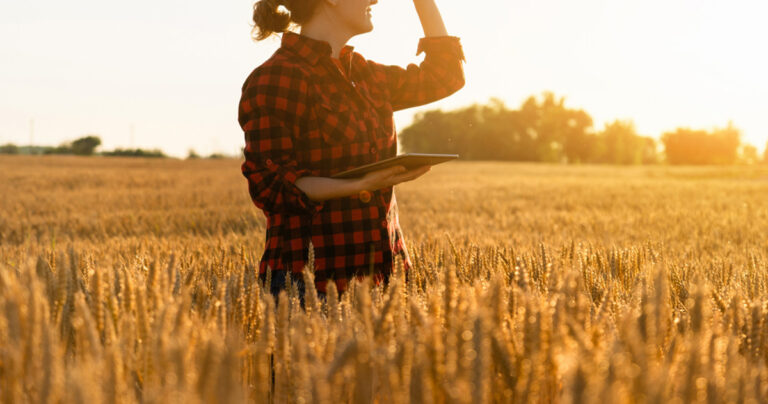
x: 133, y: 281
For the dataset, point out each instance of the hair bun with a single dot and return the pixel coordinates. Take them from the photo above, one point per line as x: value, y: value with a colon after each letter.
x: 268, y: 19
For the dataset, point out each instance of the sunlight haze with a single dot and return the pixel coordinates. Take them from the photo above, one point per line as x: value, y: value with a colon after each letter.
x: 168, y: 74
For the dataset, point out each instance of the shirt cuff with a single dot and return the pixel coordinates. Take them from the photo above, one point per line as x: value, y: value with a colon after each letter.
x: 441, y: 44
x: 297, y: 196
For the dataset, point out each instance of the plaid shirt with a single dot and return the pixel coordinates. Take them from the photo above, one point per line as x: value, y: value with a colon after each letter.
x: 303, y: 116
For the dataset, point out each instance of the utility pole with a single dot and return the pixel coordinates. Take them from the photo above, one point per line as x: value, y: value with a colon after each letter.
x: 32, y: 132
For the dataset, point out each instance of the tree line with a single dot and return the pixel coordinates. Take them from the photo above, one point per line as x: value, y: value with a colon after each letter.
x: 84, y: 146
x: 88, y: 145
x: 543, y: 129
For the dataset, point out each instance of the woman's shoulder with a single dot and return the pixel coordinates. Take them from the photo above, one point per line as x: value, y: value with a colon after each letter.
x: 281, y: 68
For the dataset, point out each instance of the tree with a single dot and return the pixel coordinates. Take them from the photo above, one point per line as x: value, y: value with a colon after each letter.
x: 541, y: 130
x: 9, y: 148
x: 765, y: 154
x: 64, y: 148
x: 85, y: 146
x: 619, y: 143
x: 564, y: 133
x: 749, y: 154
x: 650, y: 150
x: 154, y: 153
x: 560, y: 132
x: 440, y: 132
x: 686, y: 146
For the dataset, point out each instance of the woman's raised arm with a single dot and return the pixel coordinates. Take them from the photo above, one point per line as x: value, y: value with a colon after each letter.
x: 438, y: 76
x: 431, y: 20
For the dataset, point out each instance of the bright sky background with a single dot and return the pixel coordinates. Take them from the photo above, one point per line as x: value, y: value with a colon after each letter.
x: 172, y: 69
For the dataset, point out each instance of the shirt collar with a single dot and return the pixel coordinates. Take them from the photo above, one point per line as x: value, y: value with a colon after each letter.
x: 312, y: 49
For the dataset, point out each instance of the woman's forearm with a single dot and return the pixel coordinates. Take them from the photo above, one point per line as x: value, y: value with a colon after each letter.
x: 431, y: 20
x: 323, y: 188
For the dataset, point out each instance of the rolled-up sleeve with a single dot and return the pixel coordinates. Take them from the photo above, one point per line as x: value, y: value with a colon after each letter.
x: 270, y: 113
x: 439, y: 75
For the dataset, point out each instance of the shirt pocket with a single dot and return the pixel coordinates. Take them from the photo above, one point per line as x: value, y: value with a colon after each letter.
x: 383, y: 112
x: 337, y: 121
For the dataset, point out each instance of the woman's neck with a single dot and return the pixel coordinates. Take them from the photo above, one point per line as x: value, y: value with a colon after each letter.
x: 320, y: 30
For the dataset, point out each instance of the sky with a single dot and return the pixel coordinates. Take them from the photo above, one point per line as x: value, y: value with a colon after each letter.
x: 167, y: 74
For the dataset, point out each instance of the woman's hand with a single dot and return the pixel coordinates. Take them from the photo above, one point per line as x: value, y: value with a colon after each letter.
x: 391, y: 176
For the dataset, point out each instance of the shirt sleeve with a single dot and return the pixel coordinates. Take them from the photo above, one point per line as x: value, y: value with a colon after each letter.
x: 439, y: 75
x: 271, y: 108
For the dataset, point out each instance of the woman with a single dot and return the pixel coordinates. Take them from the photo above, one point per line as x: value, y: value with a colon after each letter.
x: 316, y: 108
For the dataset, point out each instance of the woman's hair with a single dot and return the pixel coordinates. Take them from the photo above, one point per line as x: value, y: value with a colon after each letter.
x: 269, y: 19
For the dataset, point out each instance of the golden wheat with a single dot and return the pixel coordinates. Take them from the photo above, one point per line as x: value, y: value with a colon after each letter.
x: 125, y: 280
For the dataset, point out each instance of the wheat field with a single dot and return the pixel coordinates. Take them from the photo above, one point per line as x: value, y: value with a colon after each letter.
x: 133, y: 281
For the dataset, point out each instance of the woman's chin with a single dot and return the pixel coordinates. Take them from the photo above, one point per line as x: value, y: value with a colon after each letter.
x: 366, y: 28
x: 369, y: 22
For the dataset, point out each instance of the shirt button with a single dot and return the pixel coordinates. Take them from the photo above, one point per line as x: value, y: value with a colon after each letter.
x: 373, y: 150
x: 269, y: 162
x: 365, y: 196
x: 384, y: 223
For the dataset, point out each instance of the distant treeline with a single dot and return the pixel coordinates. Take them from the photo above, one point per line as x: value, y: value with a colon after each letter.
x: 87, y: 145
x: 545, y: 130
x: 84, y: 146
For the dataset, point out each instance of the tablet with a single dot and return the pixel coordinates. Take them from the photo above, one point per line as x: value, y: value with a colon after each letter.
x: 407, y: 160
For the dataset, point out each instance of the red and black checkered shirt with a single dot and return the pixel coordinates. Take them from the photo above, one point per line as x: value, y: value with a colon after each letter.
x: 303, y: 116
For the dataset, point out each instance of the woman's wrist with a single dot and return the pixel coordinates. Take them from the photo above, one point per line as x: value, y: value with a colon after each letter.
x: 431, y: 20
x: 359, y: 185
x: 324, y: 188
